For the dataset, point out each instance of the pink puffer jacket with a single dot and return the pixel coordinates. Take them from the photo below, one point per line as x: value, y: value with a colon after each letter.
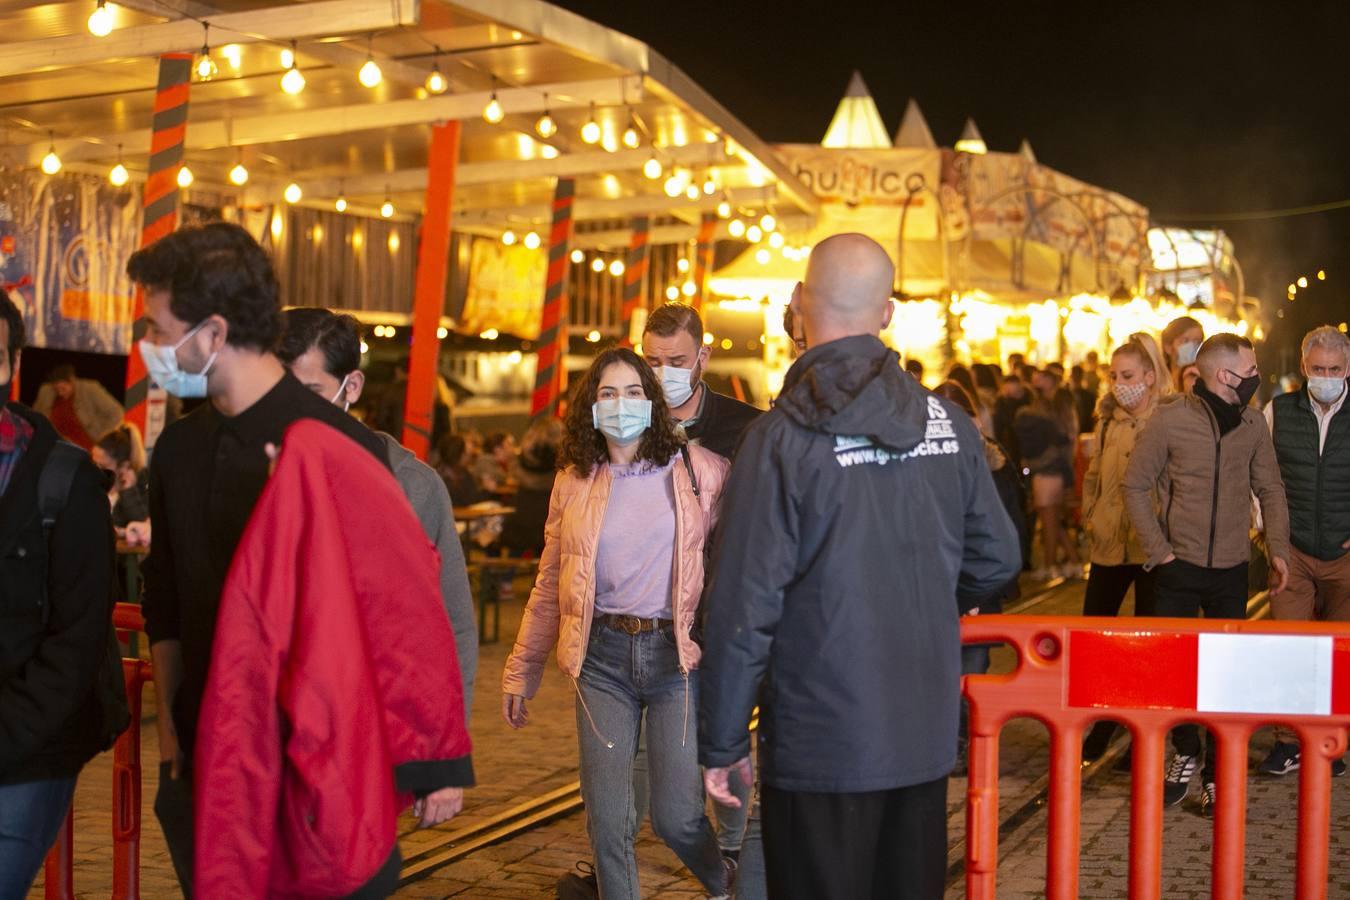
x: 563, y: 600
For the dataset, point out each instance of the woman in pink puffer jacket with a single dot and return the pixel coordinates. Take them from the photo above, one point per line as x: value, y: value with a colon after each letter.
x: 618, y: 590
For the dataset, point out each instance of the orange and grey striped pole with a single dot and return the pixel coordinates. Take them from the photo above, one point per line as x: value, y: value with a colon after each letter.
x: 161, y: 214
x: 635, y: 280
x: 433, y: 254
x: 703, y: 259
x: 550, y: 373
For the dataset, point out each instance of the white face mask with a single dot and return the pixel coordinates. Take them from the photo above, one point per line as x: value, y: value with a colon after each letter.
x: 161, y: 362
x: 341, y: 391
x: 676, y: 383
x: 1187, y: 352
x: 622, y: 419
x: 1326, y: 390
x: 1130, y: 395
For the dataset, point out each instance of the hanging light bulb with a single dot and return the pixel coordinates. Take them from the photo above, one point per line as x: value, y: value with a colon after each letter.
x: 185, y: 177
x: 631, y: 138
x: 616, y: 268
x: 762, y: 256
x: 754, y: 234
x: 736, y: 228
x: 493, y: 112
x: 768, y: 222
x: 652, y: 167
x: 531, y: 240
x: 597, y: 264
x: 293, y: 193
x: 546, y: 127
x: 692, y: 192
x: 436, y: 83
x: 578, y: 256
x: 288, y: 56
x: 370, y: 74
x: 341, y: 204
x: 239, y: 174
x: 100, y: 21
x: 118, y: 174
x: 776, y: 240
x: 51, y: 163
x: 673, y: 186
x: 206, y: 66
x: 724, y: 210
x: 590, y: 132
x: 548, y: 151
x: 508, y: 237
x: 292, y: 82
x: 672, y: 293
x: 387, y: 207
x: 710, y: 185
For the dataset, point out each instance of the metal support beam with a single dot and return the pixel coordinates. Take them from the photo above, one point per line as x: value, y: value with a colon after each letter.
x: 433, y: 261
x: 590, y: 162
x: 335, y: 120
x: 281, y: 23
x: 621, y: 208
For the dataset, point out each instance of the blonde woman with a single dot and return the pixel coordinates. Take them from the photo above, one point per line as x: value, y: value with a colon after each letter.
x: 1139, y: 380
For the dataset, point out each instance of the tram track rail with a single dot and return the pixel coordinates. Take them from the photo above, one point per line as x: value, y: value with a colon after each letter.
x: 450, y: 846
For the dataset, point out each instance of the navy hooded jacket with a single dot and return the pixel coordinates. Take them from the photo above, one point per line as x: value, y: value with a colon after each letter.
x: 856, y: 513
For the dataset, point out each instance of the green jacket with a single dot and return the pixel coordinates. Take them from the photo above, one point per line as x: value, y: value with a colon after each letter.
x: 1316, y: 480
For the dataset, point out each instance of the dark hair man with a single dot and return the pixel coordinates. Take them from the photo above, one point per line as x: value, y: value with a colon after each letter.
x: 1201, y: 457
x: 673, y: 343
x: 323, y: 350
x: 80, y: 409
x: 820, y: 591
x: 213, y: 318
x: 1311, y: 430
x: 56, y: 580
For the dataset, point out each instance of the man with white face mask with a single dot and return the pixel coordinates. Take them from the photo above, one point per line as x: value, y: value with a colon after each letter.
x: 213, y: 317
x: 1311, y: 429
x: 673, y: 343
x: 323, y: 350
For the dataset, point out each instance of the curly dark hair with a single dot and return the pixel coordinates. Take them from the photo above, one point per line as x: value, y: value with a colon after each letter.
x: 584, y: 447
x: 215, y: 269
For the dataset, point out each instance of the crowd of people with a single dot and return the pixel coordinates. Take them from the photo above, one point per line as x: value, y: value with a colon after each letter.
x: 697, y: 559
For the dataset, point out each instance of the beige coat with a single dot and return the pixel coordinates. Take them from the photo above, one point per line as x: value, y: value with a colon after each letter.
x: 98, y: 411
x: 1113, y: 541
x: 562, y: 604
x: 1204, y: 486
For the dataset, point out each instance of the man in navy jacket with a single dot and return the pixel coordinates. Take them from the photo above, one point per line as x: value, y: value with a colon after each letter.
x: 857, y: 512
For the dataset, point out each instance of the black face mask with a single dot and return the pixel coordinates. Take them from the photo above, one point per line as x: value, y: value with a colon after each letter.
x: 1246, y: 387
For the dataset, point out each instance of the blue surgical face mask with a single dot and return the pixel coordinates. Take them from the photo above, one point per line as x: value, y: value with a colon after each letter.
x: 1326, y: 390
x: 622, y: 419
x: 677, y: 383
x: 161, y: 362
x: 1187, y: 352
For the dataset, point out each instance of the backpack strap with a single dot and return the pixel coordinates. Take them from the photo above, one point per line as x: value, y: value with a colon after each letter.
x: 689, y: 466
x: 58, y: 474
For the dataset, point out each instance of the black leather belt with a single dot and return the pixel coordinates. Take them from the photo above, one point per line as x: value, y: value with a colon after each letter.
x: 632, y: 624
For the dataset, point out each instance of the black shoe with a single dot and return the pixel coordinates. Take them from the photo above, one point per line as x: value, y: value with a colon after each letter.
x: 1282, y: 759
x: 1207, y: 798
x: 1179, y: 775
x: 579, y: 887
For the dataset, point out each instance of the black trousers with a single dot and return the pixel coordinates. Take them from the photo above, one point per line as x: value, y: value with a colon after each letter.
x: 1185, y: 591
x: 1108, y: 585
x: 886, y: 845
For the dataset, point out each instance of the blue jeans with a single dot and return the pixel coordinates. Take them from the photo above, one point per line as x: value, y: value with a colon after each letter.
x: 31, y: 814
x: 623, y: 677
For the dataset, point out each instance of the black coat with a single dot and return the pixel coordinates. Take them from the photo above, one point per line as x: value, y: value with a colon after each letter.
x: 721, y: 423
x: 50, y: 720
x: 857, y: 514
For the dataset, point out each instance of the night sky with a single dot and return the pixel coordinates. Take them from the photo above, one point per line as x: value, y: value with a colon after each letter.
x: 1190, y: 108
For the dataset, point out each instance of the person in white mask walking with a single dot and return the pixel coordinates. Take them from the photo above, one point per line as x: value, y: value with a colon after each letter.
x: 617, y: 593
x: 672, y: 342
x: 1139, y: 381
x: 1311, y: 429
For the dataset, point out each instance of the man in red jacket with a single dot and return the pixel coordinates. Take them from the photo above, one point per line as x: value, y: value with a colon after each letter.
x: 334, y: 690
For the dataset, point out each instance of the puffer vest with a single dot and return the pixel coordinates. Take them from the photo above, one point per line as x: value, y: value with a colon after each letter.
x: 1317, y: 485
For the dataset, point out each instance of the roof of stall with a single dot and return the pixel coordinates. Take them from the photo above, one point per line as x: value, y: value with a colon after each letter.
x: 92, y: 98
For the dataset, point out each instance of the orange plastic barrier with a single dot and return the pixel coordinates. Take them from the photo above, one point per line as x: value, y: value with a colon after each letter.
x: 59, y: 882
x: 1151, y: 675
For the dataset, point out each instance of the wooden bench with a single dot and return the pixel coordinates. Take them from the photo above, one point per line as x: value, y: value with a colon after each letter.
x: 493, y: 572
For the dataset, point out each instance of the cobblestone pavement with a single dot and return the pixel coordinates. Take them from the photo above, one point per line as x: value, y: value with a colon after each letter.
x: 515, y: 767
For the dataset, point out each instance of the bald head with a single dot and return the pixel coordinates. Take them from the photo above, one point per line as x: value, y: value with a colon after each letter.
x: 847, y: 289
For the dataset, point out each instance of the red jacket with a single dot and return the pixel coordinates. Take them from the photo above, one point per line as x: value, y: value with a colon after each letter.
x: 334, y: 690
